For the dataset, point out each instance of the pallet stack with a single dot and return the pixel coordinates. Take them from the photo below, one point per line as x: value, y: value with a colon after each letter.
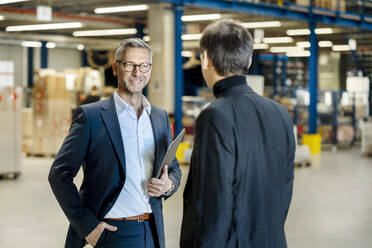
x: 51, y: 103
x: 367, y: 139
x: 10, y: 131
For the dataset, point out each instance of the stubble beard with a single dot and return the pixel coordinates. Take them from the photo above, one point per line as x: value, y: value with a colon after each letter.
x: 134, y: 90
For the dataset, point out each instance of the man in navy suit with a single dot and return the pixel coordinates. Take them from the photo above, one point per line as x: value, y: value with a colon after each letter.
x: 119, y: 143
x: 241, y: 175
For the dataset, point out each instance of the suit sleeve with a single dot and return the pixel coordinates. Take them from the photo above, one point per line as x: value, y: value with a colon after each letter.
x: 174, y: 171
x: 65, y: 167
x: 212, y: 169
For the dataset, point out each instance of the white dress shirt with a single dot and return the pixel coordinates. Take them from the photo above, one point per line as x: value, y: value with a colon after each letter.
x: 139, y: 146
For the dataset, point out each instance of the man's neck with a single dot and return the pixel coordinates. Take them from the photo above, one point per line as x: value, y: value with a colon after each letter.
x: 134, y: 100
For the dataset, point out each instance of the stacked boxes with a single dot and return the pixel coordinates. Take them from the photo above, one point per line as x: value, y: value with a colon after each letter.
x: 10, y: 131
x: 325, y: 4
x: 51, y: 103
x: 367, y: 138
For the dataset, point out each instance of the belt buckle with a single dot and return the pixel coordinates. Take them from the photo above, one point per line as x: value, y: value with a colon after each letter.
x: 139, y: 218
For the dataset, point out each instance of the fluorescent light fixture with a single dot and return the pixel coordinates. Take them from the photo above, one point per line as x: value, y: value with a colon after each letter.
x: 2, y: 17
x: 262, y: 24
x: 128, y: 8
x: 191, y: 36
x: 328, y: 98
x: 50, y: 45
x: 323, y: 31
x: 146, y: 38
x: 294, y: 32
x: 80, y: 47
x: 186, y: 54
x: 260, y: 46
x: 298, y: 54
x: 278, y: 40
x: 304, y: 44
x: 340, y: 48
x: 325, y: 43
x: 105, y: 32
x: 286, y: 49
x: 31, y: 43
x: 191, y: 18
x: 352, y: 44
x: 12, y: 1
x: 49, y: 26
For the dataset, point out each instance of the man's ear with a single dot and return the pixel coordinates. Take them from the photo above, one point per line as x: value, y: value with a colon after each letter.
x: 114, y: 66
x: 205, y: 60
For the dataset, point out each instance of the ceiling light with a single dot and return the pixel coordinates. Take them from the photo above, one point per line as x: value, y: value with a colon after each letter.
x: 50, y: 45
x: 146, y: 38
x: 293, y: 32
x: 323, y: 31
x: 191, y: 18
x: 191, y: 36
x: 80, y: 47
x: 286, y: 49
x: 65, y: 25
x: 105, y: 32
x: 186, y: 54
x: 12, y: 1
x: 128, y: 8
x: 262, y: 24
x: 304, y: 44
x: 340, y: 48
x: 298, y: 54
x: 325, y: 43
x: 31, y: 44
x: 278, y: 40
x: 260, y: 46
x: 352, y: 44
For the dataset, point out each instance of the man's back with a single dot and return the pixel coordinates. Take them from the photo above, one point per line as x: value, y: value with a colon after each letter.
x: 244, y: 146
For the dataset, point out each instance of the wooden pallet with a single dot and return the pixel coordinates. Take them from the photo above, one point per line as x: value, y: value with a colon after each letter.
x: 302, y: 164
x: 40, y: 155
x: 10, y: 175
x: 367, y: 154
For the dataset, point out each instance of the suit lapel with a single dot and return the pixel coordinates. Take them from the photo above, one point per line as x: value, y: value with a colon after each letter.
x: 156, y: 129
x: 112, y: 125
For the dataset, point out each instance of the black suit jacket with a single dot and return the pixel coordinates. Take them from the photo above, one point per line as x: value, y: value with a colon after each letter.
x: 95, y: 143
x: 241, y: 175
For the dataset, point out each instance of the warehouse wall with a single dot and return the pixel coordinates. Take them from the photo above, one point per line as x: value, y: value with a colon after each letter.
x: 18, y: 55
x: 63, y: 58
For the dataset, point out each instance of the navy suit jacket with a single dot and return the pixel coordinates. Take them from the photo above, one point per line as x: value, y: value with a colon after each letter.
x: 95, y: 143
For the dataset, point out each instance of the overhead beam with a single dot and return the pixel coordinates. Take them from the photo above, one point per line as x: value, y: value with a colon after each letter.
x: 291, y: 11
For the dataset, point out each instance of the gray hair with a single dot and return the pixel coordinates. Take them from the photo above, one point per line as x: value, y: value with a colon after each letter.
x: 131, y: 42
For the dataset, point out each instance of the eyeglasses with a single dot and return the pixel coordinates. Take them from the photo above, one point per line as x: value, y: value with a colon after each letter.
x: 131, y: 67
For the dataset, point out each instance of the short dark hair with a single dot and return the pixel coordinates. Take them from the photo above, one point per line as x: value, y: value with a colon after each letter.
x: 229, y: 45
x: 131, y: 42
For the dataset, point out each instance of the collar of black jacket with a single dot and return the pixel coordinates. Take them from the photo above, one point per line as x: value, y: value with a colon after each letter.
x: 223, y: 85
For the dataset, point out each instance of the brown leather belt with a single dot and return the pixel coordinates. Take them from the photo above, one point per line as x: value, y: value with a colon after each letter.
x: 138, y: 218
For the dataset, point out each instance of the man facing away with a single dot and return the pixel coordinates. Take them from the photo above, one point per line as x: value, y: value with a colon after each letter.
x: 240, y: 181
x: 120, y: 143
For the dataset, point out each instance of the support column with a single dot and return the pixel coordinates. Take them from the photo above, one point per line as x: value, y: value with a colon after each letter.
x: 44, y: 55
x: 313, y: 79
x: 30, y: 67
x: 178, y: 12
x: 161, y: 30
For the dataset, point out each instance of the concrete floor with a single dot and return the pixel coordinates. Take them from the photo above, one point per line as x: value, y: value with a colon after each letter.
x: 331, y: 206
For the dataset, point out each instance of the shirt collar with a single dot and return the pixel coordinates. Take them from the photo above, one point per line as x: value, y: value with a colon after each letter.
x: 121, y: 105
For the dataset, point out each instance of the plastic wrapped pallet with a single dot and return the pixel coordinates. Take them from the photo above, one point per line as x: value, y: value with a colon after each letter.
x: 367, y: 138
x: 10, y: 130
